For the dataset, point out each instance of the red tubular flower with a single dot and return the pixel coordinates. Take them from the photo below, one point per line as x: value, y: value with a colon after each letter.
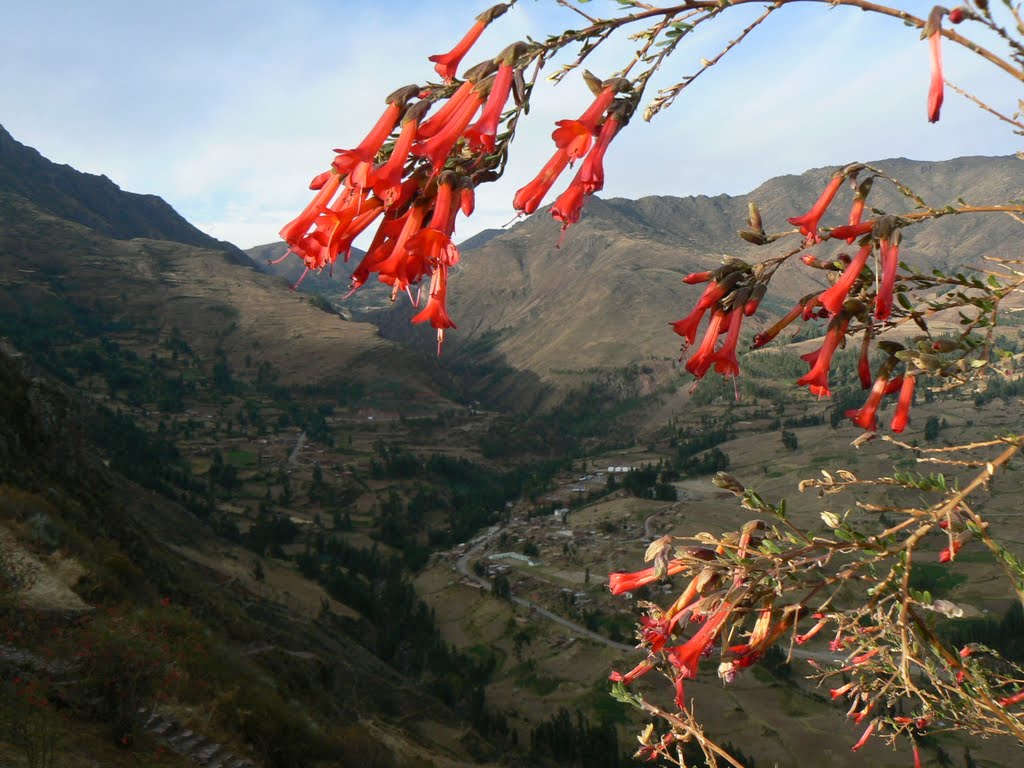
x: 951, y: 551
x: 801, y: 639
x: 756, y: 294
x: 435, y: 311
x: 576, y: 136
x: 627, y: 582
x: 467, y: 198
x: 432, y: 246
x: 480, y: 136
x: 808, y: 223
x: 902, y: 415
x: 320, y: 179
x: 529, y: 198
x: 933, y: 30
x: 865, y: 416
x: 344, y: 220
x: 816, y: 379
x: 864, y: 738
x: 724, y: 359
x: 299, y: 226
x: 766, y: 336
x: 569, y: 205
x: 686, y: 657
x: 387, y: 252
x: 857, y: 660
x: 1009, y: 701
x: 697, y: 277
x: 438, y: 146
x: 444, y: 115
x: 857, y: 209
x: 591, y: 173
x: 388, y: 182
x: 639, y: 670
x: 700, y: 362
x: 687, y: 327
x: 864, y: 363
x: 356, y: 165
x: 447, y: 64
x: 833, y: 298
x: 890, y: 248
x: 841, y: 690
x: 851, y: 232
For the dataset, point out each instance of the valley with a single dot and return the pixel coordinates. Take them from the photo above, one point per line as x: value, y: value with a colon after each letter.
x: 324, y: 546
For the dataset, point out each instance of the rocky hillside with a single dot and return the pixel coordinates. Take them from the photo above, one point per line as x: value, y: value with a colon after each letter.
x: 606, y: 296
x: 78, y: 256
x: 94, y: 201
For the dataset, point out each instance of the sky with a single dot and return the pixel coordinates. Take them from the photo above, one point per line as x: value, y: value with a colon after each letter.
x: 227, y: 108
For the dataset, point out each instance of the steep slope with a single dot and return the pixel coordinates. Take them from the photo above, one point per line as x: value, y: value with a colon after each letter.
x: 75, y: 251
x: 606, y: 296
x: 95, y: 201
x: 259, y: 676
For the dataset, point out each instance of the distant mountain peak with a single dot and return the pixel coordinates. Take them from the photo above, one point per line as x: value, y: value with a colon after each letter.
x: 96, y: 201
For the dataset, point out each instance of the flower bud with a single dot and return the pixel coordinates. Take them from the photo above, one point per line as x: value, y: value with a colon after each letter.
x: 727, y: 482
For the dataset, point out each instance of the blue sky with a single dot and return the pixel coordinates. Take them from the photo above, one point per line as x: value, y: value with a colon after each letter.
x: 227, y: 108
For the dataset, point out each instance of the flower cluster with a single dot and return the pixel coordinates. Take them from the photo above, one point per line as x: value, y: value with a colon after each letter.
x: 417, y: 169
x: 575, y: 140
x: 859, y: 299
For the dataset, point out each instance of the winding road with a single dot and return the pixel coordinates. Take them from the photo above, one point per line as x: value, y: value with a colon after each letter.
x: 462, y: 565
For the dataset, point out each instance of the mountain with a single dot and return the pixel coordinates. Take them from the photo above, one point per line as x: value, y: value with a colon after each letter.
x: 117, y: 573
x: 157, y: 394
x: 79, y: 256
x: 606, y: 296
x: 95, y: 201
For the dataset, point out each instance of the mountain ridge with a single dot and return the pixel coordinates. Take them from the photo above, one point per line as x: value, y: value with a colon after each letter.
x: 95, y: 201
x: 606, y: 295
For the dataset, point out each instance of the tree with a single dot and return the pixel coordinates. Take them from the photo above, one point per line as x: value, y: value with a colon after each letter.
x: 789, y: 440
x: 767, y: 582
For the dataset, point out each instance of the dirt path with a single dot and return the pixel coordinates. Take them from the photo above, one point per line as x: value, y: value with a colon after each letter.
x: 462, y: 565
